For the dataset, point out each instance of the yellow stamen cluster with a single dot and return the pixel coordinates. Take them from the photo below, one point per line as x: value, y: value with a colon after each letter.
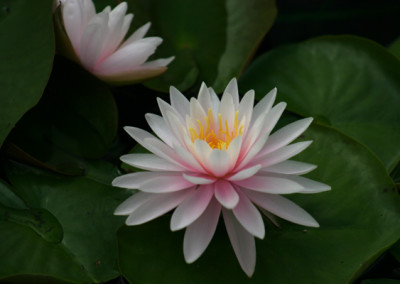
x: 217, y: 137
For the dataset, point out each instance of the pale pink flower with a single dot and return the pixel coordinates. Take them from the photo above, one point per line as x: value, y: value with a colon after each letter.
x: 214, y: 156
x: 97, y: 41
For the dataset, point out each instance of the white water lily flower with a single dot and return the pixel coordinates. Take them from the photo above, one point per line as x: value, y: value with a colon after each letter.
x: 214, y: 156
x: 97, y: 42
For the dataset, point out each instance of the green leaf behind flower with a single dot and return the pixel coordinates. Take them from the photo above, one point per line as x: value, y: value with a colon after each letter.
x: 67, y: 229
x: 211, y: 40
x: 346, y: 82
x: 362, y: 204
x: 26, y: 56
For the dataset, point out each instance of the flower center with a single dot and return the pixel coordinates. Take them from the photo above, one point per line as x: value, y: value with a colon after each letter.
x: 216, y: 134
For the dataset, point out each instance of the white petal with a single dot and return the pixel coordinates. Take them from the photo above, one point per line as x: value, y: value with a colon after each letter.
x: 132, y: 203
x: 286, y: 135
x: 234, y: 150
x: 161, y: 62
x: 137, y: 35
x: 188, y: 160
x: 249, y: 216
x: 133, y: 180
x: 246, y: 109
x: 204, y: 97
x: 281, y: 154
x: 226, y: 194
x: 199, y: 234
x: 152, y: 144
x: 273, y: 117
x: 150, y: 162
x: 245, y: 173
x: 290, y: 167
x: 192, y: 207
x: 196, y: 110
x: 92, y: 41
x: 129, y: 56
x: 270, y: 184
x: 282, y: 207
x: 214, y: 100
x: 242, y: 242
x: 199, y: 179
x: 158, y: 205
x: 232, y: 89
x: 310, y: 186
x: 165, y: 182
x: 160, y: 128
x: 202, y: 151
x: 179, y: 102
x: 264, y: 105
x: 227, y: 110
x: 253, y: 151
x: 219, y: 162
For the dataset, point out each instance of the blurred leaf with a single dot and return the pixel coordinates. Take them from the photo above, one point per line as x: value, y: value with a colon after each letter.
x: 395, y: 47
x: 211, y: 40
x: 77, y: 116
x: 362, y: 204
x: 380, y: 281
x: 346, y: 82
x: 26, y: 56
x: 86, y: 250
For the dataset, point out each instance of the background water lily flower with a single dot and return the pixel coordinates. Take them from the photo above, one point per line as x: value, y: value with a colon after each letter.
x: 97, y: 41
x: 214, y: 156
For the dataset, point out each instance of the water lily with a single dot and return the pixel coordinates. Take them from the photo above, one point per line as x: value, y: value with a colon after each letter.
x: 214, y: 156
x: 97, y: 41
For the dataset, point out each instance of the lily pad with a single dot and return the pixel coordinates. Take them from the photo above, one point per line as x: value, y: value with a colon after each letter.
x: 362, y: 204
x: 211, y: 40
x: 67, y: 231
x: 349, y: 83
x: 26, y: 56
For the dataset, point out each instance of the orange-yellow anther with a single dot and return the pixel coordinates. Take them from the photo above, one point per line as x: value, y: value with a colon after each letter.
x: 216, y: 136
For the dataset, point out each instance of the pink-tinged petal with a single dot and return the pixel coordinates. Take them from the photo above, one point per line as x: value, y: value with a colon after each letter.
x: 196, y: 111
x: 76, y: 15
x: 290, y: 167
x: 131, y: 75
x: 264, y: 105
x: 249, y: 216
x: 133, y: 180
x: 154, y: 145
x: 126, y: 25
x: 271, y: 184
x: 202, y: 151
x: 226, y: 194
x: 281, y: 154
x: 166, y: 182
x: 282, y: 207
x: 219, y: 162
x: 246, y: 109
x: 215, y: 102
x: 115, y: 33
x: 132, y: 203
x: 188, y: 160
x: 273, y: 117
x: 129, y: 56
x: 242, y: 242
x: 150, y: 162
x: 234, y: 151
x: 204, y: 97
x: 253, y: 151
x: 253, y: 134
x: 199, y: 234
x: 92, y: 40
x: 161, y: 62
x: 160, y: 128
x: 245, y: 173
x: 286, y: 135
x: 192, y: 207
x: 227, y: 110
x: 232, y: 89
x: 156, y: 206
x: 310, y: 186
x: 137, y: 35
x: 199, y: 179
x: 179, y: 102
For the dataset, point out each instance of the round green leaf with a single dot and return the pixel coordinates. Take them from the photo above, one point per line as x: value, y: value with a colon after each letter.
x: 346, y: 82
x: 26, y: 56
x: 77, y: 115
x: 68, y: 232
x: 211, y: 40
x: 359, y: 219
